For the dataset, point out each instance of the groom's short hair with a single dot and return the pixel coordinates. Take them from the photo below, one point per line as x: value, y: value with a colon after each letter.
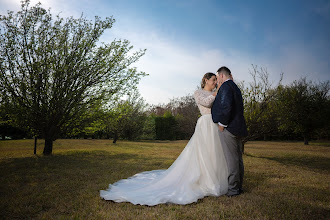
x: 224, y: 70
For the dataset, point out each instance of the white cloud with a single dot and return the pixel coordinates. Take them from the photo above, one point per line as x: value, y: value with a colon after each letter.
x: 8, y: 5
x: 176, y: 70
x: 297, y: 62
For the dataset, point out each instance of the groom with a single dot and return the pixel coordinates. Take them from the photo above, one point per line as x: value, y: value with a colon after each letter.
x: 227, y: 112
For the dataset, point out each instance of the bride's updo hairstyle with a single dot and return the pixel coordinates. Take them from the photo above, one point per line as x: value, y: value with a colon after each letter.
x: 205, y: 77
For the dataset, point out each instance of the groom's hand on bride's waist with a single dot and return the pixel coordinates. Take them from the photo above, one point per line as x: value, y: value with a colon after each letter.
x: 221, y: 128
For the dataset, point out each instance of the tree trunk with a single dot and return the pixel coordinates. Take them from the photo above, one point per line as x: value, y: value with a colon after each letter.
x: 306, y: 140
x: 115, y: 138
x: 48, y: 146
x: 35, y: 144
x: 3, y: 137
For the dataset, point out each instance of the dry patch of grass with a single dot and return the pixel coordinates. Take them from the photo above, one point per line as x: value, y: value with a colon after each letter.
x: 284, y: 180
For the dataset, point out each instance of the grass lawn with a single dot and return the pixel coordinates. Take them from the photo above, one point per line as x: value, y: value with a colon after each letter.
x: 283, y: 180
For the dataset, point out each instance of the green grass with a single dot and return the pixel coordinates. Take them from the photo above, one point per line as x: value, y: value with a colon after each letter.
x: 283, y: 180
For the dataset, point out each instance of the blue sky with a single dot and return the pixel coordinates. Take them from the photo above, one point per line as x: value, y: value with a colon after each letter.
x: 184, y: 39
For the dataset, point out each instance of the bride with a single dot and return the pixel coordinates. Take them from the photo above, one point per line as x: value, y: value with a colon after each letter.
x: 199, y: 171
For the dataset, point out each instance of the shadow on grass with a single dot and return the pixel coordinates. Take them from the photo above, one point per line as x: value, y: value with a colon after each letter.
x: 253, y: 180
x: 66, y: 186
x: 318, y: 163
x: 290, y: 203
x: 59, y: 183
x: 320, y: 143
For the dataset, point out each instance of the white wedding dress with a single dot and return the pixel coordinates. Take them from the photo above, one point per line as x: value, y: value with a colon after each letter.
x: 199, y: 171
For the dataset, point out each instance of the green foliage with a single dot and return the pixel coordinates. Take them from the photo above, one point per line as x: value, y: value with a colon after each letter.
x: 166, y: 127
x: 300, y: 109
x: 126, y: 118
x: 185, y: 112
x: 7, y: 128
x: 304, y: 107
x: 53, y: 70
x: 260, y: 105
x: 149, y: 128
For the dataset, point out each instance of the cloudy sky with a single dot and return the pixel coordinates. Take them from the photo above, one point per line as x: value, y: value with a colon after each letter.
x: 187, y: 38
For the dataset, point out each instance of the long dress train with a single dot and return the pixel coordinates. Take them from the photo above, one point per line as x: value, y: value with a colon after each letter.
x: 199, y: 171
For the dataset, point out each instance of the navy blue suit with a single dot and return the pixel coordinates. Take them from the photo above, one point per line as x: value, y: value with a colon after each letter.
x: 228, y: 109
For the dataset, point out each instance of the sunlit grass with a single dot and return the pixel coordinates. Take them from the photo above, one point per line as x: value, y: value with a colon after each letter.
x: 284, y: 180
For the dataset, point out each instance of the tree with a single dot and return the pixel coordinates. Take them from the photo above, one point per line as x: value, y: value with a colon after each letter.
x: 135, y: 117
x: 149, y: 128
x: 126, y: 118
x: 52, y: 70
x: 260, y: 104
x: 6, y: 127
x: 304, y: 107
x: 89, y: 124
x: 166, y: 127
x: 185, y: 112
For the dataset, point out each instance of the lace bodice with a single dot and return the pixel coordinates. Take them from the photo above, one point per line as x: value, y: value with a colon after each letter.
x: 204, y: 100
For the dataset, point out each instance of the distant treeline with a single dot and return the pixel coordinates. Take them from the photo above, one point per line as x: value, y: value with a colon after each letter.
x: 58, y: 81
x: 299, y: 111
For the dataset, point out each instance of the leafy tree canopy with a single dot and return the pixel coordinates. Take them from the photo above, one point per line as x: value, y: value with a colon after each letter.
x: 52, y: 70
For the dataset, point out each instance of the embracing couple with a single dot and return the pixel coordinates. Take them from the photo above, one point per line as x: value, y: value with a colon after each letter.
x: 211, y: 164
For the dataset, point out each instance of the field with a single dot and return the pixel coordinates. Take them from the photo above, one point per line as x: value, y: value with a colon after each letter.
x: 283, y: 180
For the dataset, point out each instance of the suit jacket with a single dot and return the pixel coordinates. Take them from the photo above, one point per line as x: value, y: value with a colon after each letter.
x: 228, y: 109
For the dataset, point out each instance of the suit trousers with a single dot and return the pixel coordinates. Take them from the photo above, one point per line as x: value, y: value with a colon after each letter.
x: 232, y: 148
